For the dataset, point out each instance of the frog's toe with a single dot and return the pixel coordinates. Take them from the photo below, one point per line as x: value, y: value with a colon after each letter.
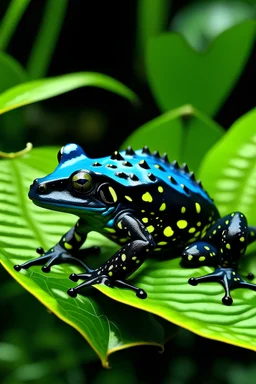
x: 227, y: 300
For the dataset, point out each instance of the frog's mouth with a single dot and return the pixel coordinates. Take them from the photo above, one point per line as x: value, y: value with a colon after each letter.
x: 62, y: 200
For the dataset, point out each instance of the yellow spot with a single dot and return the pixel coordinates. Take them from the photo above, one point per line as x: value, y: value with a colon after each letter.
x: 145, y: 220
x: 110, y: 230
x: 226, y: 222
x: 232, y: 214
x: 162, y: 243
x: 252, y: 233
x: 68, y: 246
x: 137, y: 261
x: 157, y: 166
x: 124, y: 268
x: 182, y: 224
x: 183, y: 209
x: 214, y: 232
x: 219, y: 226
x: 150, y: 228
x: 134, y: 257
x: 242, y: 239
x: 77, y: 237
x: 197, y: 234
x: 190, y: 257
x: 228, y: 246
x: 158, y: 249
x: 198, y: 207
x: 128, y: 198
x: 147, y: 197
x: 201, y: 258
x: 221, y: 250
x: 110, y: 273
x: 168, y: 232
x: 199, y: 223
x: 143, y: 210
x: 210, y: 218
x: 113, y: 194
x: 233, y: 273
x: 160, y: 189
x: 123, y: 240
x: 207, y: 248
x: 111, y: 267
x: 123, y: 257
x: 119, y: 224
x: 163, y: 207
x: 192, y: 230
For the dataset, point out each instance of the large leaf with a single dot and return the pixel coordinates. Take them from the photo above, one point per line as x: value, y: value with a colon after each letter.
x: 229, y: 169
x: 201, y: 22
x: 184, y: 133
x: 198, y: 309
x: 38, y: 90
x: 107, y: 325
x: 178, y: 75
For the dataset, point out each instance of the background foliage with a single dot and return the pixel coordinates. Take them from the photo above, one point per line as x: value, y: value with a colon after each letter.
x: 50, y: 38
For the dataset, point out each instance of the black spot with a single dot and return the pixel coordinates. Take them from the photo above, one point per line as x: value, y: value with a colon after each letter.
x: 122, y: 175
x: 144, y: 164
x: 160, y: 167
x: 129, y: 151
x: 133, y: 177
x: 151, y: 177
x: 116, y: 156
x: 96, y: 164
x: 126, y: 164
x: 156, y: 154
x: 175, y: 164
x: 145, y: 150
x: 185, y: 189
x: 165, y: 158
x: 111, y: 166
x: 172, y: 180
x: 192, y: 176
x: 184, y: 167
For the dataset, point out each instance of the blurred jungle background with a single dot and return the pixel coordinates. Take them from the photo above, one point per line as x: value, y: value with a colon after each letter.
x: 54, y: 37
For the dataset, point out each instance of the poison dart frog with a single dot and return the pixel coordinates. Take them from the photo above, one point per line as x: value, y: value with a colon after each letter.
x: 147, y: 205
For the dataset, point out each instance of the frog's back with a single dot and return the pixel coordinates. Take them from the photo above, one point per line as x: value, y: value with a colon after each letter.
x: 166, y: 198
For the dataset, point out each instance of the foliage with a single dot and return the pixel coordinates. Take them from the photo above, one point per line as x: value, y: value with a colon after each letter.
x: 189, y: 87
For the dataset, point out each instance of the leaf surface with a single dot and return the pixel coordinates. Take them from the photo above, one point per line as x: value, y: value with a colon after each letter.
x: 184, y: 133
x: 42, y: 89
x: 179, y: 75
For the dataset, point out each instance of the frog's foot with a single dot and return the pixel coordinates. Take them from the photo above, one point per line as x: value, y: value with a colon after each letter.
x: 54, y: 256
x: 102, y: 279
x: 228, y: 278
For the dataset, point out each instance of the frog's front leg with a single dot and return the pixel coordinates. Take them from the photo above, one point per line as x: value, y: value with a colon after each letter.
x: 230, y: 236
x: 61, y: 252
x: 124, y: 262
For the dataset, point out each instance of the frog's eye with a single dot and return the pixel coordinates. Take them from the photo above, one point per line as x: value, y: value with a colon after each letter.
x: 82, y: 181
x: 60, y: 153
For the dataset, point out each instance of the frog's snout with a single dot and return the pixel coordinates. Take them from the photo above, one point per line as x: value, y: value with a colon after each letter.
x: 37, y: 189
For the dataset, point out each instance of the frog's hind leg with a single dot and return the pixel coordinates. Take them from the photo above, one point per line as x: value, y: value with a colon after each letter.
x: 199, y: 253
x: 230, y: 235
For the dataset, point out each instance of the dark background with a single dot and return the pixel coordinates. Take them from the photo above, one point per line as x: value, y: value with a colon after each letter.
x: 99, y: 36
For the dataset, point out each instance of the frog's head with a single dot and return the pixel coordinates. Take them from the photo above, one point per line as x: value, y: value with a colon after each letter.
x: 74, y: 186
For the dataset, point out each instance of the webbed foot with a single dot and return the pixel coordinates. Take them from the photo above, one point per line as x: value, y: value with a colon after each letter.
x: 228, y: 278
x: 94, y: 278
x: 54, y: 256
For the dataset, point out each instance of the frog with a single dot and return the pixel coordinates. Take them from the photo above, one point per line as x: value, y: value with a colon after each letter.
x: 147, y: 205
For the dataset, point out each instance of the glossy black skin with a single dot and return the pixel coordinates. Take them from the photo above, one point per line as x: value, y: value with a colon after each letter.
x: 149, y: 207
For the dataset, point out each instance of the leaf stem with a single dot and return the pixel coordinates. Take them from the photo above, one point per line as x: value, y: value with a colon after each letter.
x: 12, y: 155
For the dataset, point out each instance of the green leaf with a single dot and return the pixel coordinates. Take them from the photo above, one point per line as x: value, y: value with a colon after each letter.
x: 178, y: 75
x: 10, y: 20
x: 201, y: 22
x: 178, y: 133
x: 43, y: 89
x: 108, y: 326
x: 229, y: 169
x: 47, y: 36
